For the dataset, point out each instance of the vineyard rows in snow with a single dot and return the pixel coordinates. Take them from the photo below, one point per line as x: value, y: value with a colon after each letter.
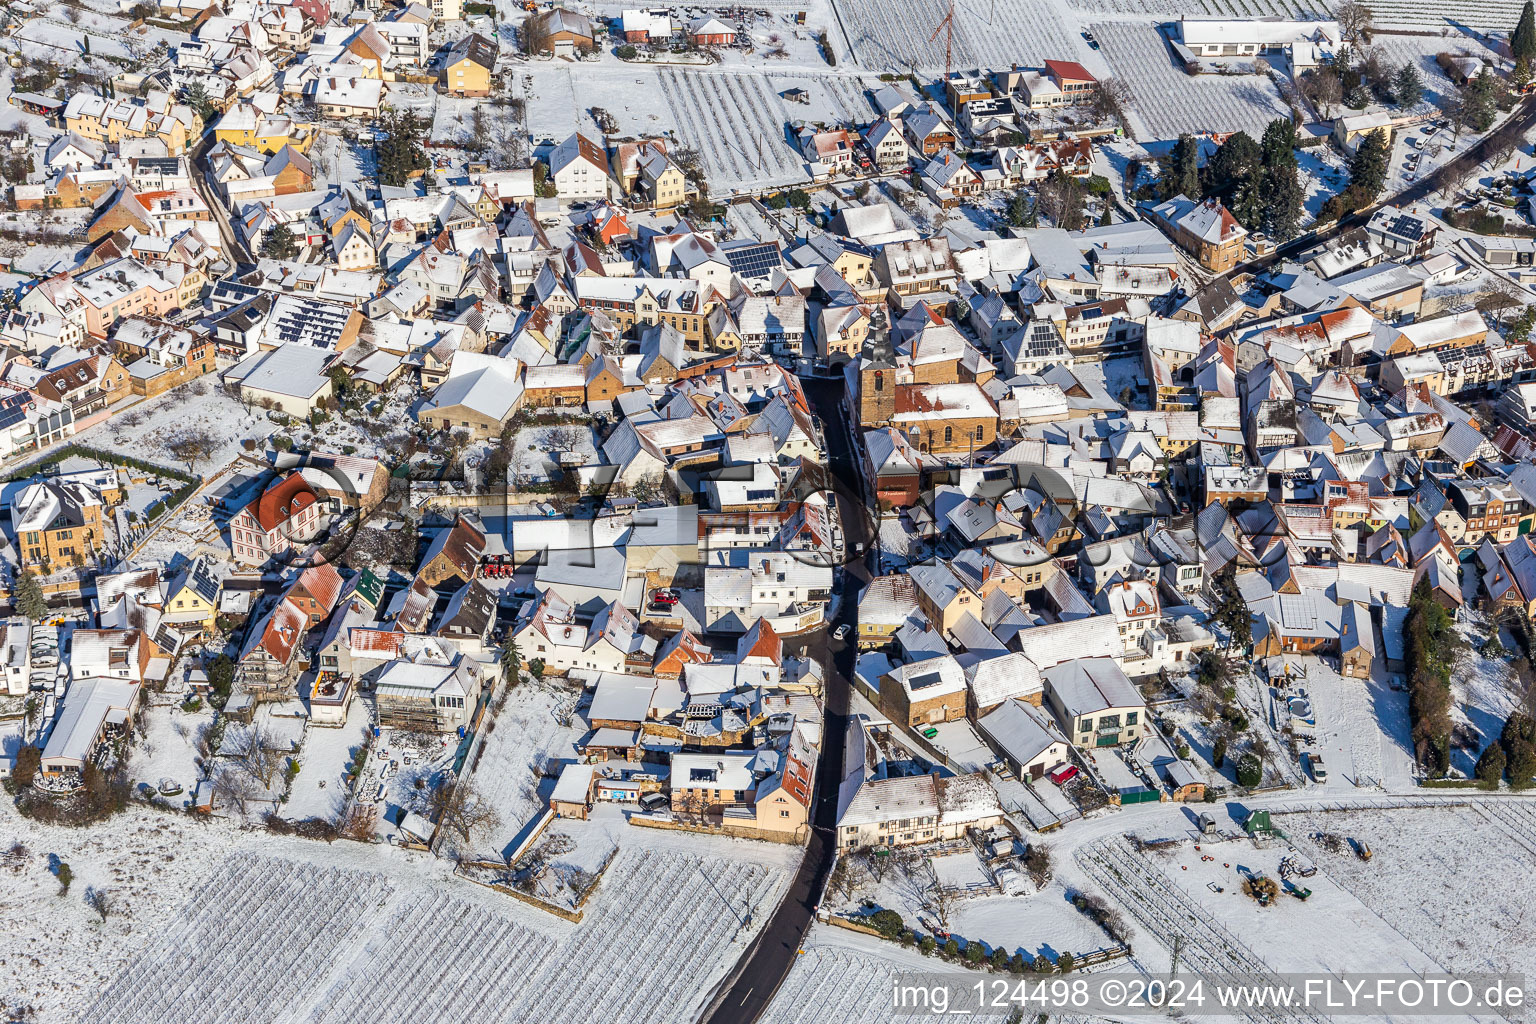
x: 895, y: 37
x: 260, y: 937
x: 273, y: 939
x: 1170, y: 102
x: 432, y: 959
x: 830, y: 985
x: 1499, y: 15
x: 736, y: 121
x: 654, y: 931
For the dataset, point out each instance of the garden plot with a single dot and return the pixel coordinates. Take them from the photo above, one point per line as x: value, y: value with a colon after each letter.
x: 891, y: 37
x: 1170, y: 103
x: 1331, y: 930
x: 320, y: 789
x: 148, y: 428
x: 1421, y: 51
x: 1483, y: 692
x: 830, y: 99
x: 59, y: 44
x: 526, y: 734
x: 169, y: 750
x: 1442, y: 875
x: 737, y: 123
x: 536, y: 450
x: 258, y: 938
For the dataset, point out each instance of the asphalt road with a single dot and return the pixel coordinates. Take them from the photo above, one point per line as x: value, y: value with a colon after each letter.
x: 197, y: 161
x: 1513, y: 129
x: 767, y: 962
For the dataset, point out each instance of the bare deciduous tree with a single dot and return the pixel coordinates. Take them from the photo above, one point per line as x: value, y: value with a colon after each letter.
x: 262, y: 757
x: 460, y: 808
x: 234, y: 787
x: 1354, y: 19
x: 192, y: 445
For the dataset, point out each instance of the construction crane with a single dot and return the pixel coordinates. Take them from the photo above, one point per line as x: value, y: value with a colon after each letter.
x: 947, y: 26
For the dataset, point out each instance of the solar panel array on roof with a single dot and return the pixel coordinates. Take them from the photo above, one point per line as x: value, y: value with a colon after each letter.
x: 926, y: 679
x: 1407, y: 227
x: 754, y: 260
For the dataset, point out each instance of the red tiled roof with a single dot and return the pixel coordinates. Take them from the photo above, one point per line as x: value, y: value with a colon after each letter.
x: 284, y: 628
x: 761, y: 642
x: 1068, y: 71
x: 321, y: 582
x: 279, y: 502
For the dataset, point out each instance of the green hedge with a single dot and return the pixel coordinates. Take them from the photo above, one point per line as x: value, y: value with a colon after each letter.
x: 101, y: 455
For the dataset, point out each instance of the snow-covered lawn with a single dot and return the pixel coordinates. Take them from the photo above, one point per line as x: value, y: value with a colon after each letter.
x: 527, y: 734
x: 319, y: 790
x: 536, y: 449
x: 168, y: 750
x: 61, y: 44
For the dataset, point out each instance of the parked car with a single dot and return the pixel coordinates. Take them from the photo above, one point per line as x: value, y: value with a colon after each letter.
x: 1316, y: 767
x: 841, y: 632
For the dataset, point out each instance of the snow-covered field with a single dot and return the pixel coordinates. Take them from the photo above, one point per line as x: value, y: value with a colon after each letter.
x: 55, y: 954
x: 283, y: 939
x: 208, y: 922
x: 51, y: 41
x: 656, y: 930
x: 1444, y: 876
x: 1169, y: 102
x: 891, y: 37
x: 262, y: 937
x: 1498, y: 15
x: 848, y: 978
x: 736, y: 121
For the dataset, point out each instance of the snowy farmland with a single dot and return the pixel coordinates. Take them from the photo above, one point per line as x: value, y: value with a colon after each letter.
x: 261, y: 939
x: 845, y: 984
x: 1500, y: 15
x: 1442, y: 875
x: 736, y: 121
x: 1168, y: 102
x: 1205, y: 8
x: 671, y: 906
x: 892, y: 37
x: 271, y: 939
